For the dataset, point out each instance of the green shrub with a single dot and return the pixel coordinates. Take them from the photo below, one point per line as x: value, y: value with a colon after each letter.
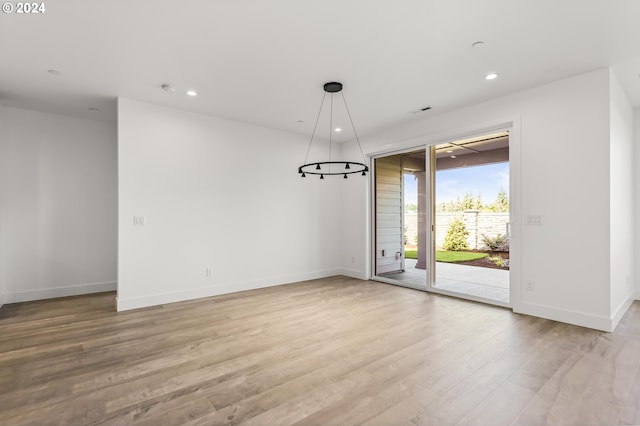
x: 497, y: 243
x: 497, y: 260
x: 456, y: 237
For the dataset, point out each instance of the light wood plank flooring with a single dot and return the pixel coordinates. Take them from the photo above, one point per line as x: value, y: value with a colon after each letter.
x: 335, y: 351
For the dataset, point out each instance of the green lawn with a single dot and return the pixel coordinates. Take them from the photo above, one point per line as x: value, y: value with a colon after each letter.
x: 448, y: 256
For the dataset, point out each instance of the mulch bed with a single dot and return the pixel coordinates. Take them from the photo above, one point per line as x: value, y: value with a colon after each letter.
x: 486, y: 263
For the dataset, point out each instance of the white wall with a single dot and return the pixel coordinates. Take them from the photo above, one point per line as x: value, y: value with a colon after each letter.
x: 636, y: 156
x: 356, y: 221
x: 2, y: 202
x: 216, y: 194
x: 58, y: 217
x: 622, y: 201
x: 567, y: 257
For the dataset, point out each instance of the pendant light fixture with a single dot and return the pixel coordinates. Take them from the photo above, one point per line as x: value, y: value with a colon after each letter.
x: 330, y: 167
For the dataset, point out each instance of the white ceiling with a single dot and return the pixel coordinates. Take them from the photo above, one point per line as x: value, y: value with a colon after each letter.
x: 264, y: 61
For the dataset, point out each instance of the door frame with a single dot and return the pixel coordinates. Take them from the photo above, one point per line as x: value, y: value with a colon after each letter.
x: 512, y: 125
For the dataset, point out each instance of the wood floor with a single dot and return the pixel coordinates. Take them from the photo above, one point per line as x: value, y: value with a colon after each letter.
x: 336, y: 351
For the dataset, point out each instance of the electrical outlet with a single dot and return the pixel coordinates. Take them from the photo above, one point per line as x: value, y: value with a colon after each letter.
x: 139, y: 220
x: 208, y: 272
x: 530, y: 286
x: 353, y: 259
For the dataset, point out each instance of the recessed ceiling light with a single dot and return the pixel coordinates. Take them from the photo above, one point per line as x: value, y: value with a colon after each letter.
x: 491, y: 76
x: 53, y: 72
x: 168, y: 88
x: 477, y: 44
x: 453, y: 156
x: 93, y: 109
x: 449, y: 152
x: 192, y: 93
x: 337, y: 129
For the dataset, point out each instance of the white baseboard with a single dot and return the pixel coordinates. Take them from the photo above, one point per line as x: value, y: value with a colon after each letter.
x: 622, y: 309
x: 125, y: 304
x: 53, y: 292
x: 637, y: 295
x: 570, y: 317
x: 1, y: 300
x: 354, y: 273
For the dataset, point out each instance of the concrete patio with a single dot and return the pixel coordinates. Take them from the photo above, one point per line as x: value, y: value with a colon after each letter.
x: 476, y: 281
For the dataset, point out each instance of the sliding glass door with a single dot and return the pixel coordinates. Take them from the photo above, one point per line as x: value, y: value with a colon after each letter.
x: 471, y: 217
x: 441, y: 218
x: 400, y: 219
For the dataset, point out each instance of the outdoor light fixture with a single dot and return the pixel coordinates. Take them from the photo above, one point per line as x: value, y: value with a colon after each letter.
x: 329, y: 167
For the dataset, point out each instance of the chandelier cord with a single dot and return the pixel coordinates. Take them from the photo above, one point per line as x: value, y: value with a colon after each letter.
x: 364, y: 160
x: 330, y: 128
x: 315, y: 127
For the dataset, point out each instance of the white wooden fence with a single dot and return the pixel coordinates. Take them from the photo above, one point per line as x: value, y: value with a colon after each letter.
x: 476, y: 222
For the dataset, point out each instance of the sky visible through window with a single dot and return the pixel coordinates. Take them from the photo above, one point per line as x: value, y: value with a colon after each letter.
x: 485, y: 180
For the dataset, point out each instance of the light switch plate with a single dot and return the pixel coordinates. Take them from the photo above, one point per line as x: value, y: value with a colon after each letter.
x: 534, y: 220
